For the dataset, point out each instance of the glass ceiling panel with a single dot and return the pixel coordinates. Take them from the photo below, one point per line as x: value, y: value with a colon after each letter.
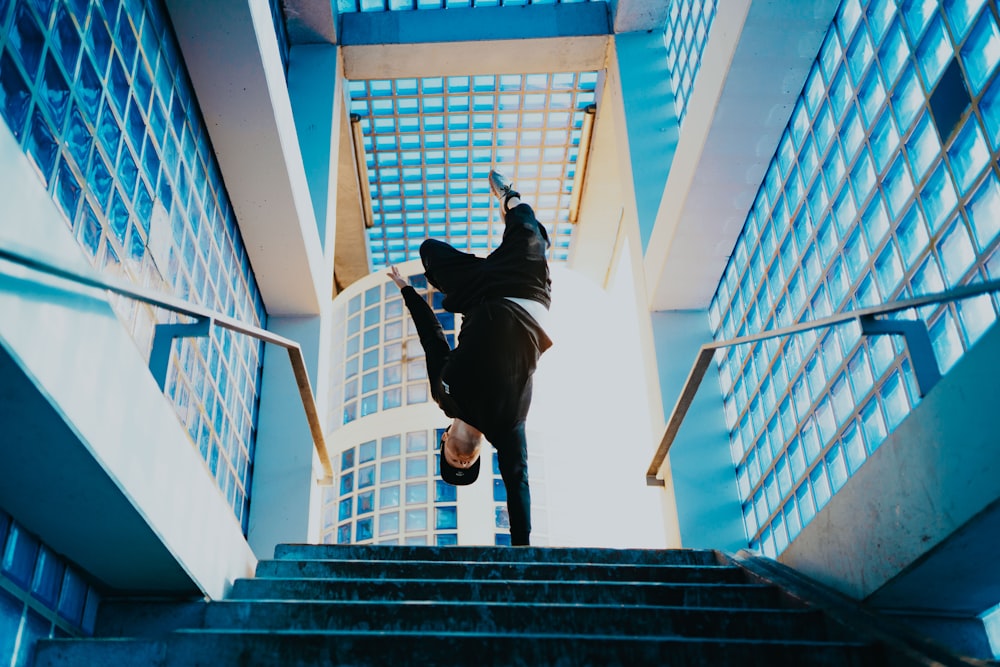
x: 430, y: 144
x: 403, y: 5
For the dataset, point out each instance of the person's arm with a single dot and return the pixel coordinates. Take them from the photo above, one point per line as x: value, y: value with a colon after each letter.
x: 432, y: 338
x: 512, y: 454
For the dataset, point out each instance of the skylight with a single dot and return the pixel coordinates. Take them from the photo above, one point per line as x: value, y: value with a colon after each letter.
x: 430, y: 144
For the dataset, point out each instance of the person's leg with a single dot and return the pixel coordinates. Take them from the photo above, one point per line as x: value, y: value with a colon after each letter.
x: 447, y: 269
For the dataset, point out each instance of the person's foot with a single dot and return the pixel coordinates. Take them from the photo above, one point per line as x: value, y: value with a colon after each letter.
x: 502, y: 188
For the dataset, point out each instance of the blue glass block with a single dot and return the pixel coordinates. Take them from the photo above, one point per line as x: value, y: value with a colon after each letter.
x: 893, y: 53
x: 923, y: 146
x: 875, y: 222
x: 445, y: 518
x: 880, y: 13
x: 960, y: 15
x: 135, y: 126
x: 946, y: 341
x: 911, y: 234
x: 938, y: 197
x: 126, y: 42
x: 888, y: 270
x: 976, y: 315
x: 416, y: 467
x: 859, y: 55
x: 144, y: 207
x: 344, y: 534
x: 863, y: 176
x: 118, y: 86
x: 118, y: 217
x: 366, y: 477
x: 73, y: 597
x: 47, y: 582
x: 898, y: 186
x: 969, y: 155
x: 956, y: 252
x: 416, y: 519
x: 389, y: 496
x: 907, y: 99
x: 100, y: 43
x: 67, y: 191
x: 78, y: 139
x: 27, y: 39
x: 884, y: 140
x: 446, y: 539
x: 444, y: 492
x: 917, y: 14
x: 346, y: 483
x: 366, y: 452
x: 42, y: 146
x: 416, y: 493
x: 871, y: 94
x: 366, y: 502
x: 35, y: 627
x: 855, y: 254
x: 934, y: 53
x: 837, y: 466
x: 984, y: 212
x: 981, y: 52
x: 927, y: 279
x: 19, y: 556
x: 142, y: 86
x: 390, y: 471
x: 66, y: 39
x: 108, y: 131
x: 852, y: 133
x: 804, y: 500
x: 364, y: 529
x: 14, y: 95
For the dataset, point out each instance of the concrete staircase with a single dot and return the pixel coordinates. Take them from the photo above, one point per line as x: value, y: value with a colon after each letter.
x: 395, y: 605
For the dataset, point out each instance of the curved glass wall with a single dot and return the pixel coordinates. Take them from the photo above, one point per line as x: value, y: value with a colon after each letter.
x: 685, y: 36
x: 885, y: 185
x: 100, y: 101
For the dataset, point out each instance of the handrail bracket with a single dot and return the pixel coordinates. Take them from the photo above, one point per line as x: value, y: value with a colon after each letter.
x: 918, y: 343
x: 163, y: 338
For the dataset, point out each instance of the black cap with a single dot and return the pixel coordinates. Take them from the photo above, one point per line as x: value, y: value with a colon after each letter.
x: 458, y: 476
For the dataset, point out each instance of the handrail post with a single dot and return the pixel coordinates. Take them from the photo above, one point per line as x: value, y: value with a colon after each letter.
x: 918, y: 343
x: 163, y: 338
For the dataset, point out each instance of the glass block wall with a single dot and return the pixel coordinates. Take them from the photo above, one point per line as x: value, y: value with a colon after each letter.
x: 382, y: 364
x: 41, y: 596
x: 402, y: 5
x: 100, y: 101
x: 685, y: 36
x: 389, y: 492
x: 430, y: 144
x: 884, y: 186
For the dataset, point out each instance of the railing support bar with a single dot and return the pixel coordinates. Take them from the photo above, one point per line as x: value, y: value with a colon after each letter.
x: 163, y: 338
x: 918, y: 345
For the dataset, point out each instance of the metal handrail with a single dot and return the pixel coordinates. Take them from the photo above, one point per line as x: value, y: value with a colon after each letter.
x: 864, y: 316
x: 182, y: 307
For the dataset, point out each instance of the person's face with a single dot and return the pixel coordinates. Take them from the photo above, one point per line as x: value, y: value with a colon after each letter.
x: 455, y: 454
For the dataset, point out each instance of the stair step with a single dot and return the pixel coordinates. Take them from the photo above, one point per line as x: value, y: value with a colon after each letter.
x: 578, y: 592
x: 496, y: 554
x: 529, y: 570
x: 471, y: 617
x: 301, y: 649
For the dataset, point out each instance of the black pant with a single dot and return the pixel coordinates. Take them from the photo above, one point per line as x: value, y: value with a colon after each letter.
x: 516, y: 268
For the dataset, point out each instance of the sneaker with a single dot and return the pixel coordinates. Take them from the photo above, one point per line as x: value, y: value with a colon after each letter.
x: 501, y: 188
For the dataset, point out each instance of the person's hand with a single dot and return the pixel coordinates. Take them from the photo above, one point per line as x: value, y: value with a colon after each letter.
x: 396, y: 277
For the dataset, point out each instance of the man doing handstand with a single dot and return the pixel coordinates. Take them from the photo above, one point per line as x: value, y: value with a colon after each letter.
x: 485, y: 383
